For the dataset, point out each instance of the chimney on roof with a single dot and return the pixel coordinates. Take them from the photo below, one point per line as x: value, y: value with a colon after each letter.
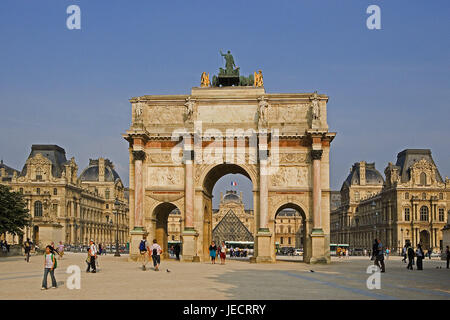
x: 362, y: 173
x: 101, y: 169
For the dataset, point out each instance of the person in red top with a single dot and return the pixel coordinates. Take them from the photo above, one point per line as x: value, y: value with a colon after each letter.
x: 222, y: 252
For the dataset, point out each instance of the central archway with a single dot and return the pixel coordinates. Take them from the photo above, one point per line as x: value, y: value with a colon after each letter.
x: 204, y: 197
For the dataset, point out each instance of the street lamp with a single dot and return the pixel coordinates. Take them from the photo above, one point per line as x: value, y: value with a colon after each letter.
x: 374, y: 205
x: 110, y: 235
x: 116, y: 212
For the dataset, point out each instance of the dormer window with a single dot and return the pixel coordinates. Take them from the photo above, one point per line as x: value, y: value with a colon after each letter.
x: 38, y: 174
x: 423, y: 179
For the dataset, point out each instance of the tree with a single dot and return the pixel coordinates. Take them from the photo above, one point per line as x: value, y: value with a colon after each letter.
x: 14, y: 215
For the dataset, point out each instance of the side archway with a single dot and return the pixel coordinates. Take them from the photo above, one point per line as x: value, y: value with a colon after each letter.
x: 290, y: 219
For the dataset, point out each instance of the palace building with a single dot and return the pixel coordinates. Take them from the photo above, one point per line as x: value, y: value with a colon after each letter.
x: 411, y: 205
x: 65, y: 207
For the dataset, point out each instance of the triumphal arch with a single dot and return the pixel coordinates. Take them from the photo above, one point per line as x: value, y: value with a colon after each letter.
x: 180, y: 145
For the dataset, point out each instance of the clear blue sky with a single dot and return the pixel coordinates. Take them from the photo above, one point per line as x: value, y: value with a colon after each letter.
x: 389, y: 89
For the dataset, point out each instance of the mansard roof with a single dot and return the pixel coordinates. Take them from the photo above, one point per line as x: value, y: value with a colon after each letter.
x: 54, y: 153
x: 407, y: 157
x: 8, y: 170
x: 373, y: 176
x: 91, y: 173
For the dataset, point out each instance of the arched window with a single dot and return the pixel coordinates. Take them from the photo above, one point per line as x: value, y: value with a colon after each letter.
x: 55, y: 191
x: 38, y: 209
x: 407, y: 214
x: 423, y: 178
x: 356, y: 196
x: 441, y: 214
x: 424, y: 213
x: 441, y: 196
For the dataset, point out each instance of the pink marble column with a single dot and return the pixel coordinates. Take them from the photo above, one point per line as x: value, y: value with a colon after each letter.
x: 189, y: 184
x: 263, y: 184
x: 316, y: 156
x: 138, y: 156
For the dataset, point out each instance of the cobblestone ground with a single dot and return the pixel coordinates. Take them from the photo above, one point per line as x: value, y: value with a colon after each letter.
x: 119, y: 279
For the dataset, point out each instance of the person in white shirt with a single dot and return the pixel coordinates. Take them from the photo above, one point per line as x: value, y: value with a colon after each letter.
x: 156, y: 251
x: 49, y: 267
x: 93, y: 255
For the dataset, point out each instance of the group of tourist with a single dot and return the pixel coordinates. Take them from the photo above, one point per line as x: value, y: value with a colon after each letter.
x: 220, y: 251
x: 342, y: 252
x: 175, y: 251
x: 4, y: 246
x: 155, y: 250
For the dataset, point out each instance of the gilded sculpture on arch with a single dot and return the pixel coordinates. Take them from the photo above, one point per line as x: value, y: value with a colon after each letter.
x: 205, y: 80
x: 258, y: 78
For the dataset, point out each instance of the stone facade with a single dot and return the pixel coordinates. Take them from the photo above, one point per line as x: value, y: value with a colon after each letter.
x: 175, y: 160
x: 289, y: 229
x: 68, y: 208
x: 411, y: 205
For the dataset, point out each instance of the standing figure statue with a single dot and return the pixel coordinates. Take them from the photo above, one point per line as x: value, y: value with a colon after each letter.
x: 229, y: 62
x: 138, y: 111
x: 263, y: 106
x: 315, y: 107
x: 189, y: 108
x: 204, y: 82
x: 258, y: 79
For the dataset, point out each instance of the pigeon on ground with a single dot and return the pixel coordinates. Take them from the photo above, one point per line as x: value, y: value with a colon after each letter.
x: 167, y: 270
x: 311, y: 270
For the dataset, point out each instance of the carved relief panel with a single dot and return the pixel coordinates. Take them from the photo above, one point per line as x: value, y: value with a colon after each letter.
x: 290, y: 177
x: 165, y: 177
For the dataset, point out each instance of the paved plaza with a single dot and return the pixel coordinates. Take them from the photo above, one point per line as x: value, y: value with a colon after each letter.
x: 119, y: 279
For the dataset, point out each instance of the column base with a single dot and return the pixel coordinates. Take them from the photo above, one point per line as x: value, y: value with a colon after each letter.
x: 319, y: 254
x: 265, y: 254
x: 189, y: 253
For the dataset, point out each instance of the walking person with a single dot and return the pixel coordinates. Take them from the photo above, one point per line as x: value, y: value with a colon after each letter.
x: 419, y: 257
x: 379, y: 255
x: 447, y: 253
x: 177, y: 250
x: 212, y: 252
x: 404, y: 254
x: 156, y: 251
x: 61, y: 249
x: 92, y: 254
x: 144, y: 250
x: 410, y: 253
x: 49, y: 267
x: 387, y: 253
x: 27, y: 248
x: 222, y: 252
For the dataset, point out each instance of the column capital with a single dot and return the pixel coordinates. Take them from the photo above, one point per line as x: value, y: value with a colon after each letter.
x: 316, y: 154
x: 139, y: 155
